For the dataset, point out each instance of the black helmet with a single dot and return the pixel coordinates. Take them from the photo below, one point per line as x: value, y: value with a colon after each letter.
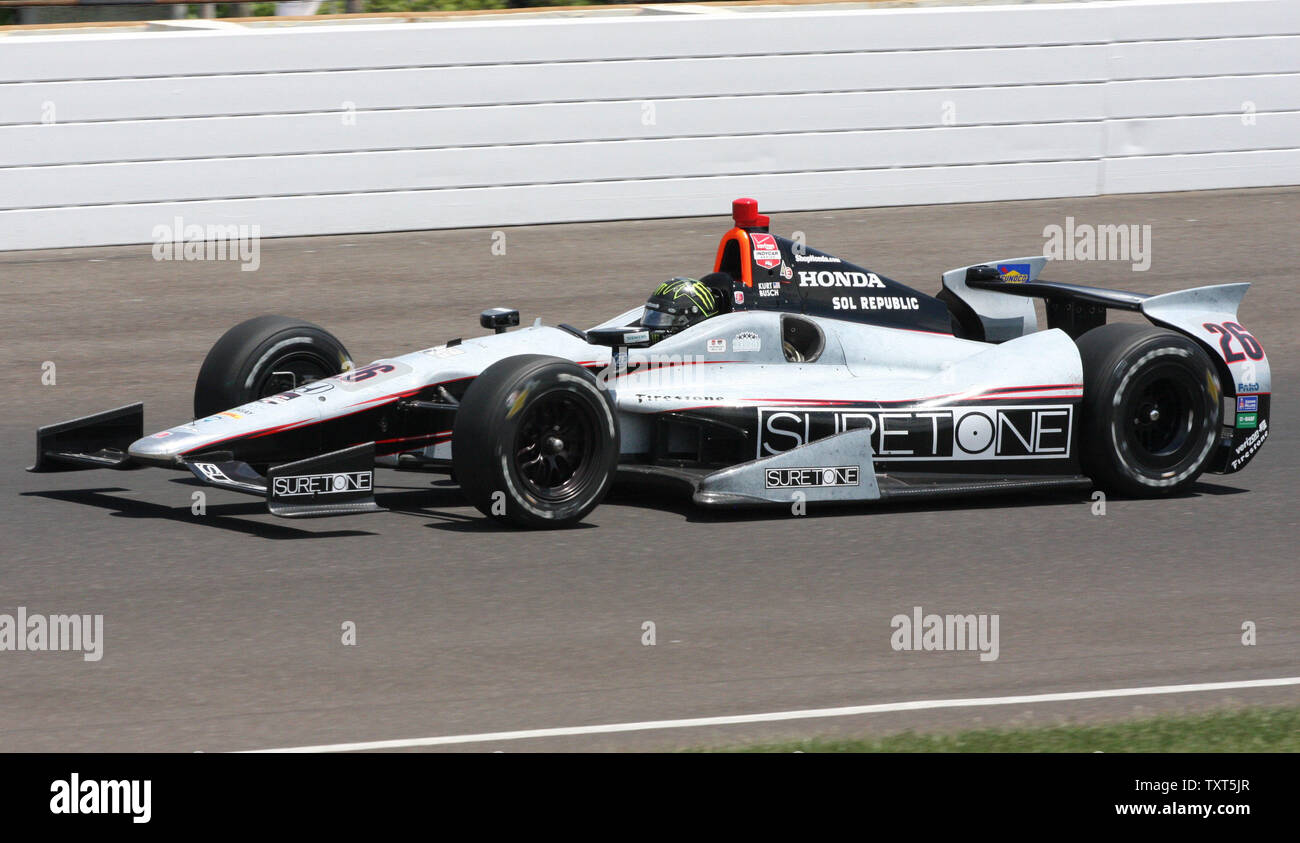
x: 679, y: 303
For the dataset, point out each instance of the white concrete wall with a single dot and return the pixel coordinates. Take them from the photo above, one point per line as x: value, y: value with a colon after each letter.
x: 316, y: 130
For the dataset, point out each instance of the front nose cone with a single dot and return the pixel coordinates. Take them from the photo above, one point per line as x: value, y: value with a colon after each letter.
x: 160, y: 448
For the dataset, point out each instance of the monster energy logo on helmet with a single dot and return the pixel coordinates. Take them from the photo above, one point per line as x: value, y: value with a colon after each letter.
x: 679, y: 303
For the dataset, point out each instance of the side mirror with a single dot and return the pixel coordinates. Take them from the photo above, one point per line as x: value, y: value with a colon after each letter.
x: 499, y: 319
x: 618, y: 337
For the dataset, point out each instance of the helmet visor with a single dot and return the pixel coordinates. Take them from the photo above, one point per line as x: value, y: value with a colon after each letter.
x: 652, y: 318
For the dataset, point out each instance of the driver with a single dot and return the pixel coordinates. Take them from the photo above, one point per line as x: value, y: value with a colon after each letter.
x: 678, y: 304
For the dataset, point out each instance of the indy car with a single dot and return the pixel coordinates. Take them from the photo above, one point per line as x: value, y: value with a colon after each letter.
x: 785, y: 374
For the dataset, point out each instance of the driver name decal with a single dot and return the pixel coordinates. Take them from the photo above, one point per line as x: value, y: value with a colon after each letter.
x: 956, y: 433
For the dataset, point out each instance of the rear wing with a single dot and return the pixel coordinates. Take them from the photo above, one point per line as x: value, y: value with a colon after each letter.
x: 992, y: 300
x: 1000, y: 307
x: 983, y: 312
x: 1209, y: 316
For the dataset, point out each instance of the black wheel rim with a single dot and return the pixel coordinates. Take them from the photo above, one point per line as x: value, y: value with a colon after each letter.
x: 293, y: 370
x: 1162, y: 416
x: 555, y: 446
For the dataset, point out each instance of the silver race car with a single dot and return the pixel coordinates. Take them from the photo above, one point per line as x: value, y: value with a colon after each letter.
x: 786, y: 374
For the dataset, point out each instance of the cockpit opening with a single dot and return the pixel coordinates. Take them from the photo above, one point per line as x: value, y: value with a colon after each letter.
x: 801, y: 339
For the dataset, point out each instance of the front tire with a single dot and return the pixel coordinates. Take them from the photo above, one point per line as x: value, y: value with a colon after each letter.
x: 1151, y: 409
x: 536, y: 442
x: 265, y: 356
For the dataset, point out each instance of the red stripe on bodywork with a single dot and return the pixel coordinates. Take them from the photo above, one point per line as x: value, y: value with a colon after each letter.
x: 999, y: 394
x: 269, y: 431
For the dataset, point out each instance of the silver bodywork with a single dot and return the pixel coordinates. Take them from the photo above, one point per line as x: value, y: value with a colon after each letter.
x: 905, y: 399
x: 1189, y: 311
x: 857, y: 361
x: 733, y: 361
x: 1003, y: 317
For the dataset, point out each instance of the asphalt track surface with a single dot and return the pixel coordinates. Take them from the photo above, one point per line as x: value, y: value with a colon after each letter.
x: 222, y: 631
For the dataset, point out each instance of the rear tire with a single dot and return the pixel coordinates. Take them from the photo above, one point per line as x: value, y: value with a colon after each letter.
x: 265, y: 356
x: 1151, y: 409
x: 535, y: 442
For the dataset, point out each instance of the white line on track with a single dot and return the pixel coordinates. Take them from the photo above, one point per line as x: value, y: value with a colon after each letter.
x: 804, y: 714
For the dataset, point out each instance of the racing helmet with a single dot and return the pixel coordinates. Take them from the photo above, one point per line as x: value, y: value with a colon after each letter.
x: 679, y: 303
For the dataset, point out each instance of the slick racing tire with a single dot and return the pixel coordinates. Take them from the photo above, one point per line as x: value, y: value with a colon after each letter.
x: 265, y: 356
x: 1151, y: 409
x: 535, y: 443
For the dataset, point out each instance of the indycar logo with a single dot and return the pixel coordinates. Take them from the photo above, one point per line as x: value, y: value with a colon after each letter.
x: 766, y: 253
x: 959, y: 433
x: 795, y: 478
x: 323, y: 484
x: 839, y: 279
